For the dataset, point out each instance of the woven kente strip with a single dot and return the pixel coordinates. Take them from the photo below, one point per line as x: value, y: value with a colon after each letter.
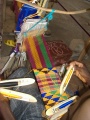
x: 49, y: 84
x: 38, y: 52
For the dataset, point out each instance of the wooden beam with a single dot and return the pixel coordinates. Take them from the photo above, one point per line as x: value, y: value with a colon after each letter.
x: 4, y: 10
x: 56, y: 11
x: 84, y: 51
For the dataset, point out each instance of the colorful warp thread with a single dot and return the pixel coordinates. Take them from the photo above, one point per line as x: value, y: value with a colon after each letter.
x: 38, y: 52
x: 49, y: 83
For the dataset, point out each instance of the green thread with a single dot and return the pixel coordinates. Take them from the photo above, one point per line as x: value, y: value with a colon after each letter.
x: 44, y: 52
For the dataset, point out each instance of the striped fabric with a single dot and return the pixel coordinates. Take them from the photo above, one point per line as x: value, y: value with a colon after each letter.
x: 49, y: 84
x: 48, y: 79
x: 38, y: 52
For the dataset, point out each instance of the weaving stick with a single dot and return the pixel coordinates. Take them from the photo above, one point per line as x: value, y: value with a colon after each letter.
x: 30, y: 16
x: 16, y: 82
x: 59, y: 114
x: 8, y: 62
x: 40, y: 4
x: 51, y: 111
x: 44, y: 4
x: 56, y: 11
x: 66, y: 79
x: 10, y: 58
x: 17, y: 95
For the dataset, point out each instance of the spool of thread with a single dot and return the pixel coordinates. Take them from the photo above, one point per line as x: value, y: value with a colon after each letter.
x: 62, y: 70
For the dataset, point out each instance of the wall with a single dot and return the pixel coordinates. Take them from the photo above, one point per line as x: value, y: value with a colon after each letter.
x: 1, y: 15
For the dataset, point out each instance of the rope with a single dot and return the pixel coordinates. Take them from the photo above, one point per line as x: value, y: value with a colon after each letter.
x: 56, y: 11
x: 49, y: 16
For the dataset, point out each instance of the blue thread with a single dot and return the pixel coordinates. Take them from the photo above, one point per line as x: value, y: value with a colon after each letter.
x: 56, y: 99
x: 49, y: 16
x: 49, y: 97
x: 43, y: 95
x: 65, y: 104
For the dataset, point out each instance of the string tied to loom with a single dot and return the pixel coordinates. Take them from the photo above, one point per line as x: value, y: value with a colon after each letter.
x: 48, y: 16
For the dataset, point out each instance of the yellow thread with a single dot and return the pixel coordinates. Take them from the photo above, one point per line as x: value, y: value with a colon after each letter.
x: 69, y: 75
x: 10, y: 95
x: 68, y: 78
x: 34, y: 52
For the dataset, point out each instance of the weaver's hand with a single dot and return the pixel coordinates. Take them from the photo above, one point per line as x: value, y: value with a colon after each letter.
x: 3, y: 99
x: 5, y: 110
x: 81, y: 71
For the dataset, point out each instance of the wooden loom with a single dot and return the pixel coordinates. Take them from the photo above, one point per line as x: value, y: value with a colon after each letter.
x: 56, y: 11
x: 46, y: 74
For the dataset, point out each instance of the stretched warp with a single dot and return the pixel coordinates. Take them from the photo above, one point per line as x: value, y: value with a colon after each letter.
x: 38, y: 53
x: 49, y: 82
x: 44, y: 53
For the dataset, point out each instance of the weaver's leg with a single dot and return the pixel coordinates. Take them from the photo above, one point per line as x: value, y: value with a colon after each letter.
x: 83, y: 113
x: 23, y: 110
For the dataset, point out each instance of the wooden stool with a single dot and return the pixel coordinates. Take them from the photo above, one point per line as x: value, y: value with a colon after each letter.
x: 84, y: 51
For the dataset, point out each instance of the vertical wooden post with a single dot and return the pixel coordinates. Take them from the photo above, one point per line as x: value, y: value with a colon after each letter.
x: 85, y: 50
x: 1, y: 16
x: 4, y: 10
